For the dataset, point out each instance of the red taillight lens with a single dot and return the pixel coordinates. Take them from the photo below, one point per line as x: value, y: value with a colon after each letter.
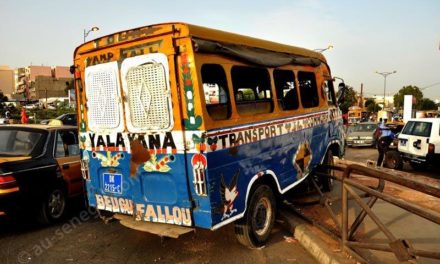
x: 7, y: 181
x: 431, y: 148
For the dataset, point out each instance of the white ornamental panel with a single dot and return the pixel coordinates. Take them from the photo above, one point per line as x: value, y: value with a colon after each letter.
x: 146, y: 88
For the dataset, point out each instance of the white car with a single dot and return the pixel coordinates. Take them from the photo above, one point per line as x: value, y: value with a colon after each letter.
x: 419, y: 142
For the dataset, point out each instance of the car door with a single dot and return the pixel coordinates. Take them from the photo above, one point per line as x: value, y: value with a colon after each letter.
x: 68, y: 159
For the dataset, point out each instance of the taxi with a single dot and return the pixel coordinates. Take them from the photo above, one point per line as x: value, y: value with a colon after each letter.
x: 39, y: 170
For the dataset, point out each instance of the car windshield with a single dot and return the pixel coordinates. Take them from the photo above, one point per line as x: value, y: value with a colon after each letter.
x: 17, y: 142
x: 364, y: 128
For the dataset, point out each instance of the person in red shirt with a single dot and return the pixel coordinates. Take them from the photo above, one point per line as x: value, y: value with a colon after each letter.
x: 24, y: 118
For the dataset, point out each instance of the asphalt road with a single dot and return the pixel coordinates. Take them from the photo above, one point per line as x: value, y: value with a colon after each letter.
x: 363, y: 154
x: 83, y: 238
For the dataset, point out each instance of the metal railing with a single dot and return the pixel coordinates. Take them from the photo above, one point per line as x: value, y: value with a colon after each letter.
x: 354, y: 190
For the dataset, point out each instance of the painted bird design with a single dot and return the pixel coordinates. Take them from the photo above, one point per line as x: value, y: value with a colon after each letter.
x: 228, y: 195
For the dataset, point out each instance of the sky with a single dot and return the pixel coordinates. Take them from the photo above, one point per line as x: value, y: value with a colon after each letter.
x: 367, y: 35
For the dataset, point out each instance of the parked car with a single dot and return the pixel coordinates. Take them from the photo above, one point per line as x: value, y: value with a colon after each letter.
x: 39, y: 170
x: 361, y: 134
x: 67, y: 119
x: 418, y: 144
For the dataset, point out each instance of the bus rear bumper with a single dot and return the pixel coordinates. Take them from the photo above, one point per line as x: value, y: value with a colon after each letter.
x: 160, y: 229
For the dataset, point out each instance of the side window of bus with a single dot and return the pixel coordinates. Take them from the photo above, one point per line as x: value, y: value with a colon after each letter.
x: 252, y: 90
x: 308, y: 89
x: 286, y: 89
x: 330, y: 92
x: 216, y: 91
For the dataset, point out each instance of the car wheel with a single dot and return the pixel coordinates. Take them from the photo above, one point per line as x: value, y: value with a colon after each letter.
x: 254, y: 228
x: 53, y: 207
x: 393, y: 160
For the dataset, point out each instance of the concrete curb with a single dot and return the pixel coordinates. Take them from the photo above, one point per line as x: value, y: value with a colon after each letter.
x: 310, y: 241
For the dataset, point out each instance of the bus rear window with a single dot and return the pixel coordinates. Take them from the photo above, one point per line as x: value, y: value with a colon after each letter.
x: 308, y: 89
x: 252, y: 90
x: 416, y: 128
x: 216, y: 91
x: 147, y: 91
x: 103, y: 96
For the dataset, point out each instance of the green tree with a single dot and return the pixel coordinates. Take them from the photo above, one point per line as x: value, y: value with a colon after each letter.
x: 427, y: 104
x: 371, y: 105
x: 349, y: 99
x: 408, y: 90
x: 61, y: 107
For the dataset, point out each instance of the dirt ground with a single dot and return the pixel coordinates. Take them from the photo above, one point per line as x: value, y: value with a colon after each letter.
x: 92, y: 241
x: 83, y: 238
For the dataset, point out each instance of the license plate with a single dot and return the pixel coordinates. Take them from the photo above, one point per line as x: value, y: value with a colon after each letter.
x: 403, y: 143
x: 112, y: 183
x: 359, y: 142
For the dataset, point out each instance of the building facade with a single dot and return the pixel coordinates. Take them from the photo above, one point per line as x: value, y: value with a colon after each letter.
x: 40, y: 82
x: 7, y: 81
x: 46, y: 87
x: 389, y: 101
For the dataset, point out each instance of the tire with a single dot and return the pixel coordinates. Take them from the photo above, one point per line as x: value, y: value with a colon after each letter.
x: 253, y: 230
x: 325, y: 183
x: 53, y: 207
x: 393, y: 160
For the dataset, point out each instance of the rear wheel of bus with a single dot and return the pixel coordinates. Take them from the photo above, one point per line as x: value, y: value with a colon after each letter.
x: 254, y: 229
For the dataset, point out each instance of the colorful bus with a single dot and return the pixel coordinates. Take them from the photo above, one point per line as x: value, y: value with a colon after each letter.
x: 195, y: 127
x: 356, y: 115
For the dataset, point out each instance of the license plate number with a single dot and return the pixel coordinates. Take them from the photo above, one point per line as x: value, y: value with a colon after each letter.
x: 112, y: 183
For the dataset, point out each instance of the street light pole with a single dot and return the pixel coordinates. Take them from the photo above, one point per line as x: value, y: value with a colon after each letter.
x: 86, y: 32
x: 385, y: 75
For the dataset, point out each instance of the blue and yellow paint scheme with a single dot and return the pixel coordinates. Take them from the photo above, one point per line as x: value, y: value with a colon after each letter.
x: 199, y: 172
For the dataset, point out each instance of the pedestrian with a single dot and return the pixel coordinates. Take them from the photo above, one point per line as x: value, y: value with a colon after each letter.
x: 7, y: 117
x: 24, y: 118
x: 385, y: 138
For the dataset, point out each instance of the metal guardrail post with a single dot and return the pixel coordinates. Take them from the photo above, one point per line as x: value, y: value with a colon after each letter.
x: 344, y: 210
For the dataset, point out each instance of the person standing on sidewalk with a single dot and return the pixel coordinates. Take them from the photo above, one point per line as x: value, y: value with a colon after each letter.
x: 385, y: 138
x: 24, y: 118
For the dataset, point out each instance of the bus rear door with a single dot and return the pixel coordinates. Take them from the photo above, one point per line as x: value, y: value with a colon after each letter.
x: 133, y: 139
